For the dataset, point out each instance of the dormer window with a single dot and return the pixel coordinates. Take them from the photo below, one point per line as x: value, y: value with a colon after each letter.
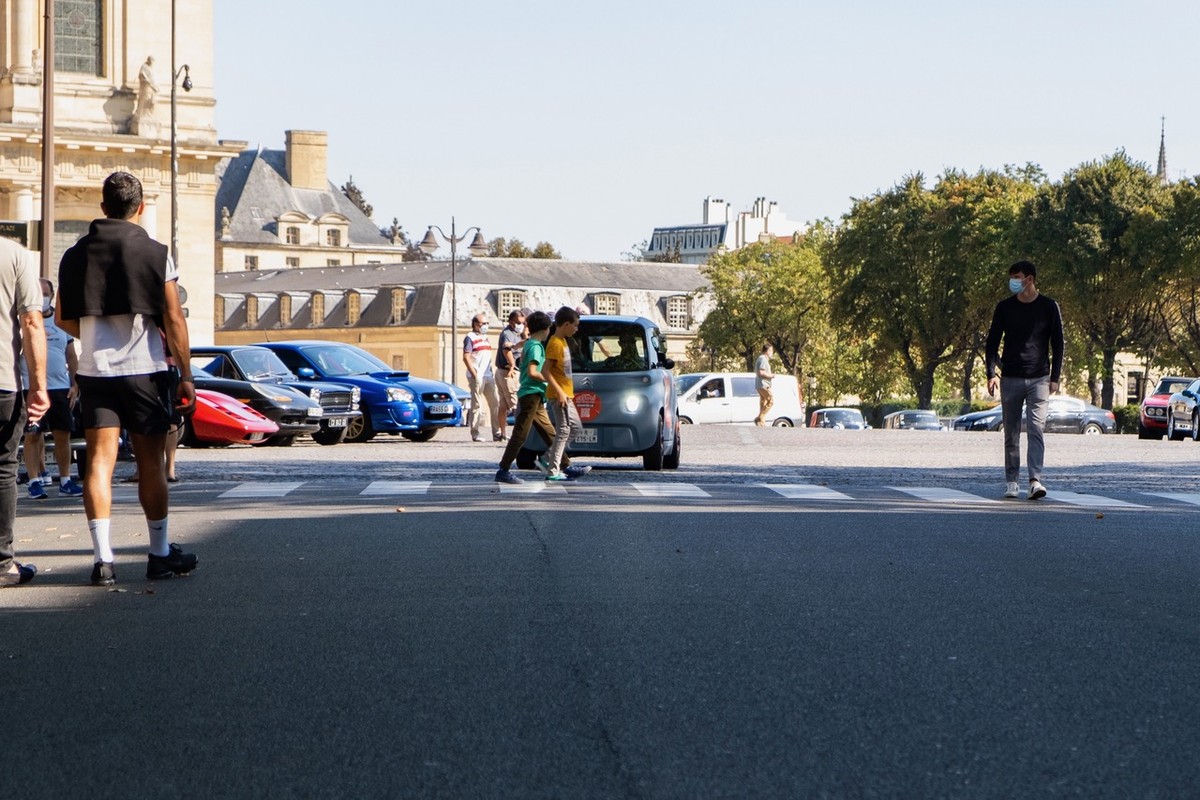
x: 353, y: 307
x: 333, y: 238
x: 607, y: 303
x: 292, y: 234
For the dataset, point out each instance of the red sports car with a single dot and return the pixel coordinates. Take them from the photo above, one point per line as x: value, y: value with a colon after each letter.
x: 221, y: 420
x: 1152, y: 423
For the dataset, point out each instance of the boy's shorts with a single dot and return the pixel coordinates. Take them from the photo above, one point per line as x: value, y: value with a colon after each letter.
x: 142, y: 404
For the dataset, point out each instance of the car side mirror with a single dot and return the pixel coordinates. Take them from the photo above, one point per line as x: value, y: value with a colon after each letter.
x: 306, y: 372
x: 666, y: 363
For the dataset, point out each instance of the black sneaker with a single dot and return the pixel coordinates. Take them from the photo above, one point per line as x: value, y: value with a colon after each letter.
x: 506, y: 476
x: 175, y: 562
x: 23, y: 575
x: 103, y: 574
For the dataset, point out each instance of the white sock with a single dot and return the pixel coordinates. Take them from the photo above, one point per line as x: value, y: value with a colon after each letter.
x: 62, y: 479
x: 101, y: 543
x: 159, y: 546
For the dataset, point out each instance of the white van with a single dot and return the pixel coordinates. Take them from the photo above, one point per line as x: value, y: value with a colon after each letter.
x: 706, y: 397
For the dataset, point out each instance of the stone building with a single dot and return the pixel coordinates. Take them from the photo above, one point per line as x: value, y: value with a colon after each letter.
x: 401, y: 312
x: 277, y: 209
x: 720, y: 228
x: 112, y: 87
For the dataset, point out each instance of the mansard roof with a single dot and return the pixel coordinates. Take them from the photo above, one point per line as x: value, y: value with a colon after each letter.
x: 255, y: 189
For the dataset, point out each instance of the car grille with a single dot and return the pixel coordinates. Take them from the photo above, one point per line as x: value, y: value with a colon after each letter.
x: 430, y: 398
x: 335, y: 402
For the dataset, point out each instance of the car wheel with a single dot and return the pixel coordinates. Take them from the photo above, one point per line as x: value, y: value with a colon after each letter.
x: 423, y: 435
x: 652, y: 456
x: 1196, y: 426
x: 1092, y: 429
x: 671, y: 461
x: 328, y: 436
x: 782, y: 422
x: 280, y: 441
x: 360, y: 430
x: 1171, y: 432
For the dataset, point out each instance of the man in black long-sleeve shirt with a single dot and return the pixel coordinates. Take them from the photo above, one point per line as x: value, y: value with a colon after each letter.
x: 1031, y: 326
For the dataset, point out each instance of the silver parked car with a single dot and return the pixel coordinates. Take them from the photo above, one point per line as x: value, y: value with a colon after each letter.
x: 624, y: 392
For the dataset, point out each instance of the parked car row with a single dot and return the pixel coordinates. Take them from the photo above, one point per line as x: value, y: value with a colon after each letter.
x: 1063, y: 415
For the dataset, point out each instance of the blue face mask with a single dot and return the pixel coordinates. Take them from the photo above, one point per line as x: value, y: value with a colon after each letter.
x: 1015, y: 285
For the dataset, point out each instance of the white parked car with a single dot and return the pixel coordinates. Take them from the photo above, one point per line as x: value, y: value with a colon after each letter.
x: 707, y: 397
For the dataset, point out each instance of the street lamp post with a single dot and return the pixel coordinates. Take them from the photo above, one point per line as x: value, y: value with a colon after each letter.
x: 478, y: 247
x: 187, y: 87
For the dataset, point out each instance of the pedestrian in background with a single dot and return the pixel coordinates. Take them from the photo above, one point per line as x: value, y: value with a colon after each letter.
x: 115, y: 286
x: 508, y: 374
x: 60, y: 383
x: 762, y: 382
x: 531, y: 395
x: 21, y: 330
x: 477, y: 355
x: 1030, y: 326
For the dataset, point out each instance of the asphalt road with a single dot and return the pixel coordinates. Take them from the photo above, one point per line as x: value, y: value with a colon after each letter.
x: 681, y: 634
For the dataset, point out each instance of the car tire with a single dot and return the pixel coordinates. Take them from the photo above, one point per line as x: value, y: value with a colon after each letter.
x: 671, y: 461
x: 423, y: 435
x: 360, y: 430
x: 782, y: 422
x: 1092, y: 429
x: 1172, y: 434
x: 684, y: 421
x: 330, y: 436
x: 652, y: 456
x: 1196, y: 426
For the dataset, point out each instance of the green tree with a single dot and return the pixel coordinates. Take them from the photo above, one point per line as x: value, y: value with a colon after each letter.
x: 356, y: 196
x: 916, y: 267
x: 1179, y: 298
x: 515, y: 248
x: 1101, y: 240
x: 769, y: 292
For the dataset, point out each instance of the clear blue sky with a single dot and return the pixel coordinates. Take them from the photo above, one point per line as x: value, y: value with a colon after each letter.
x: 587, y: 125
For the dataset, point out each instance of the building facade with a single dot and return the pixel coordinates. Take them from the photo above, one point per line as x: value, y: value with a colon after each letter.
x: 112, y: 111
x: 401, y: 312
x: 720, y: 228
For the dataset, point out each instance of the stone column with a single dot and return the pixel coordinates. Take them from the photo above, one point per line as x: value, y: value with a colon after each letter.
x: 150, y: 215
x: 24, y: 30
x: 24, y: 209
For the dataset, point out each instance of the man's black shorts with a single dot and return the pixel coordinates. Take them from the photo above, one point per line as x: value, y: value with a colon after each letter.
x: 58, y: 418
x: 142, y: 404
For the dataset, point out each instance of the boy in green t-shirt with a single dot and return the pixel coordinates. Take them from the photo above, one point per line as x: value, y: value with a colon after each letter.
x: 531, y: 396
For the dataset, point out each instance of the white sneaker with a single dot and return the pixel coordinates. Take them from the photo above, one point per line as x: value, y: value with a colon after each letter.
x: 1013, y: 490
x: 1036, y: 490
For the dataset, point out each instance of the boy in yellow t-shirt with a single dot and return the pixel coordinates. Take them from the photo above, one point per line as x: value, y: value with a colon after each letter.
x: 561, y: 390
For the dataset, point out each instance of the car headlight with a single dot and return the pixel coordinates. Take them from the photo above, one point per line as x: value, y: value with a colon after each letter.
x: 398, y: 394
x: 356, y: 395
x: 632, y: 403
x: 315, y: 395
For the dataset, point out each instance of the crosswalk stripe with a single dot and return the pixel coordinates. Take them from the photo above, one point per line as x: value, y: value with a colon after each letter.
x: 1089, y: 500
x: 936, y: 495
x: 262, y: 489
x: 531, y: 487
x: 670, y: 490
x: 1183, y: 497
x: 805, y: 491
x: 396, y: 487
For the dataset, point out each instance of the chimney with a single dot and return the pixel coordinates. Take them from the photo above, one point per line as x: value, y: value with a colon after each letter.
x: 306, y: 160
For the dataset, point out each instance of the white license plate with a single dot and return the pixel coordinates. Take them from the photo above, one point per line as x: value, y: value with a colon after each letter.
x: 337, y: 422
x: 586, y: 436
x: 315, y: 411
x: 441, y: 408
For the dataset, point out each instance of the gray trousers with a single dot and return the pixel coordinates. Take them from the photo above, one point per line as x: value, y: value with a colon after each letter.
x: 1031, y: 395
x: 12, y: 428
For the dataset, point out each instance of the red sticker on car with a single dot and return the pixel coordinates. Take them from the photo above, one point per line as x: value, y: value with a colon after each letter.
x: 588, y: 405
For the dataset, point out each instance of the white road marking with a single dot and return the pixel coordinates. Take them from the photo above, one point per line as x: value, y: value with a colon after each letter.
x: 531, y: 487
x: 937, y: 495
x: 805, y: 491
x: 1183, y: 497
x: 396, y: 487
x: 1089, y: 500
x: 262, y: 489
x: 670, y: 490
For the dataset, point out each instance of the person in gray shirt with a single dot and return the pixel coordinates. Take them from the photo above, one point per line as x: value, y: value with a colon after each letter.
x: 762, y: 382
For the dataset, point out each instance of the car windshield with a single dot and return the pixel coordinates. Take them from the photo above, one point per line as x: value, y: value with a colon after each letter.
x: 843, y: 415
x: 1171, y: 386
x: 261, y: 364
x: 336, y: 361
x: 608, y: 346
x: 685, y: 382
x: 921, y: 417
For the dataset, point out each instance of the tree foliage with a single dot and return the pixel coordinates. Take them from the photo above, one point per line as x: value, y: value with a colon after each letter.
x: 515, y: 248
x: 1102, y: 238
x: 1179, y: 300
x: 914, y: 268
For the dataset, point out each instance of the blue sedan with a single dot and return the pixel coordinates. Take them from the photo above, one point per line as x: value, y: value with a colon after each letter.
x: 392, y: 401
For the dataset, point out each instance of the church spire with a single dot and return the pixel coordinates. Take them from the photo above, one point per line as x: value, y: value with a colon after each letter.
x: 1162, y: 154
